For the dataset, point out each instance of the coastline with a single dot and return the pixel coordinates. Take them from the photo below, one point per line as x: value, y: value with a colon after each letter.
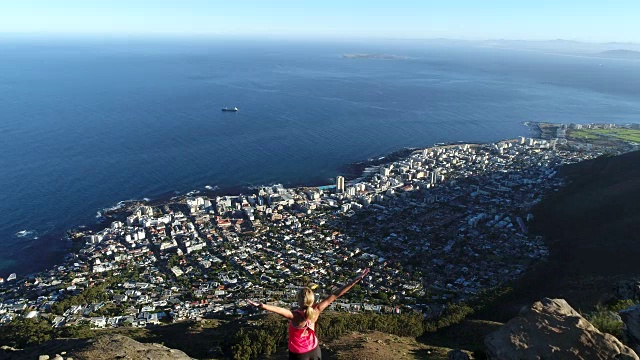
x: 354, y: 171
x: 351, y: 171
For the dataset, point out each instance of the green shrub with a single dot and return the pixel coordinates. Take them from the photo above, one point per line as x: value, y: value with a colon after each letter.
x: 263, y: 340
x: 621, y: 305
x: 453, y: 314
x: 606, y: 321
x: 22, y: 332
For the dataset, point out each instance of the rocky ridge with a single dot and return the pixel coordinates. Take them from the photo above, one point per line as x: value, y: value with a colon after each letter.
x: 552, y: 329
x: 106, y: 347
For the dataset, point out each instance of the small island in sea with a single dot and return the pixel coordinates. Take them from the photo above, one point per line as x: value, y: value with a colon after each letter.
x: 375, y: 56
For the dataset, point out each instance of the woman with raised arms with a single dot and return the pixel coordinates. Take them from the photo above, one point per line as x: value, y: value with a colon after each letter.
x: 303, y: 342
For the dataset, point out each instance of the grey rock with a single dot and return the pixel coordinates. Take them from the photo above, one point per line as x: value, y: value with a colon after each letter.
x: 8, y: 348
x: 631, y: 319
x: 110, y: 347
x: 615, y: 317
x: 457, y: 355
x: 551, y: 329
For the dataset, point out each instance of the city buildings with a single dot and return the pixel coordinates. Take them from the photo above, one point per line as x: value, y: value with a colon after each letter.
x: 438, y: 226
x: 340, y: 184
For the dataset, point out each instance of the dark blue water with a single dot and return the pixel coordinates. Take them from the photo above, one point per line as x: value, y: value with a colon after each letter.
x: 86, y: 124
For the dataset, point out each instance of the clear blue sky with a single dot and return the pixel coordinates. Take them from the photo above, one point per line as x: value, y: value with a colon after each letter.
x: 587, y: 20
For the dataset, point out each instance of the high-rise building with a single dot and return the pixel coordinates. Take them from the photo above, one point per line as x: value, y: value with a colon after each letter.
x: 433, y: 177
x: 340, y: 184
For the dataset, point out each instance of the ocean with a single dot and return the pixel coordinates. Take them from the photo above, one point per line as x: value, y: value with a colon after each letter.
x: 87, y: 123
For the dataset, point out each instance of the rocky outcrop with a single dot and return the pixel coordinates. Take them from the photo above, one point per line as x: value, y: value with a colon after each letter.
x: 457, y: 355
x: 122, y: 347
x: 103, y: 347
x: 551, y: 329
x: 631, y: 319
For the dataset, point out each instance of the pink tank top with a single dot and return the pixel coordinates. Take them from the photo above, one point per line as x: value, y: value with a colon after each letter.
x: 302, y: 339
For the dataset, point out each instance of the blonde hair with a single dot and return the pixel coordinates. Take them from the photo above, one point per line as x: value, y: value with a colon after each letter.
x: 306, y: 299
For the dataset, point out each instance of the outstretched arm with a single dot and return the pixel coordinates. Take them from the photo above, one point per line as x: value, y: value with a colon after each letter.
x: 274, y: 309
x: 339, y: 292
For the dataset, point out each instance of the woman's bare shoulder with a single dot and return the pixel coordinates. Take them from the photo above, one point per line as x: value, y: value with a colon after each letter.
x: 298, y: 314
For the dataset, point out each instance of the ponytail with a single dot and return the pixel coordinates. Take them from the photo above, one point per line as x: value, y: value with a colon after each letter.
x: 306, y: 299
x: 309, y: 313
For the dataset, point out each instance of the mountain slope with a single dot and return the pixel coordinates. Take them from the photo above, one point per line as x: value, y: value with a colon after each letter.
x: 592, y: 227
x: 598, y: 210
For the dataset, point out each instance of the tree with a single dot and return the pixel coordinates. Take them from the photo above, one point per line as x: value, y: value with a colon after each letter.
x: 383, y: 297
x: 77, y: 331
x: 21, y: 332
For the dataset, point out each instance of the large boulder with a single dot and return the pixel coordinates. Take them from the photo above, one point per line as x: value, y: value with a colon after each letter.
x: 551, y: 329
x: 103, y: 347
x: 631, y: 319
x: 121, y: 347
x: 457, y: 355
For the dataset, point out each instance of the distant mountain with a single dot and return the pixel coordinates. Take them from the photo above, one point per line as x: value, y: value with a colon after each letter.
x: 557, y: 46
x: 560, y: 46
x: 622, y: 54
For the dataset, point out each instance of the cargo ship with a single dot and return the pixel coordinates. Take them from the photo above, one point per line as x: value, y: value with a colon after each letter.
x: 233, y: 109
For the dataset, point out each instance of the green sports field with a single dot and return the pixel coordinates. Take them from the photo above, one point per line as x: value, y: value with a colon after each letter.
x: 631, y: 135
